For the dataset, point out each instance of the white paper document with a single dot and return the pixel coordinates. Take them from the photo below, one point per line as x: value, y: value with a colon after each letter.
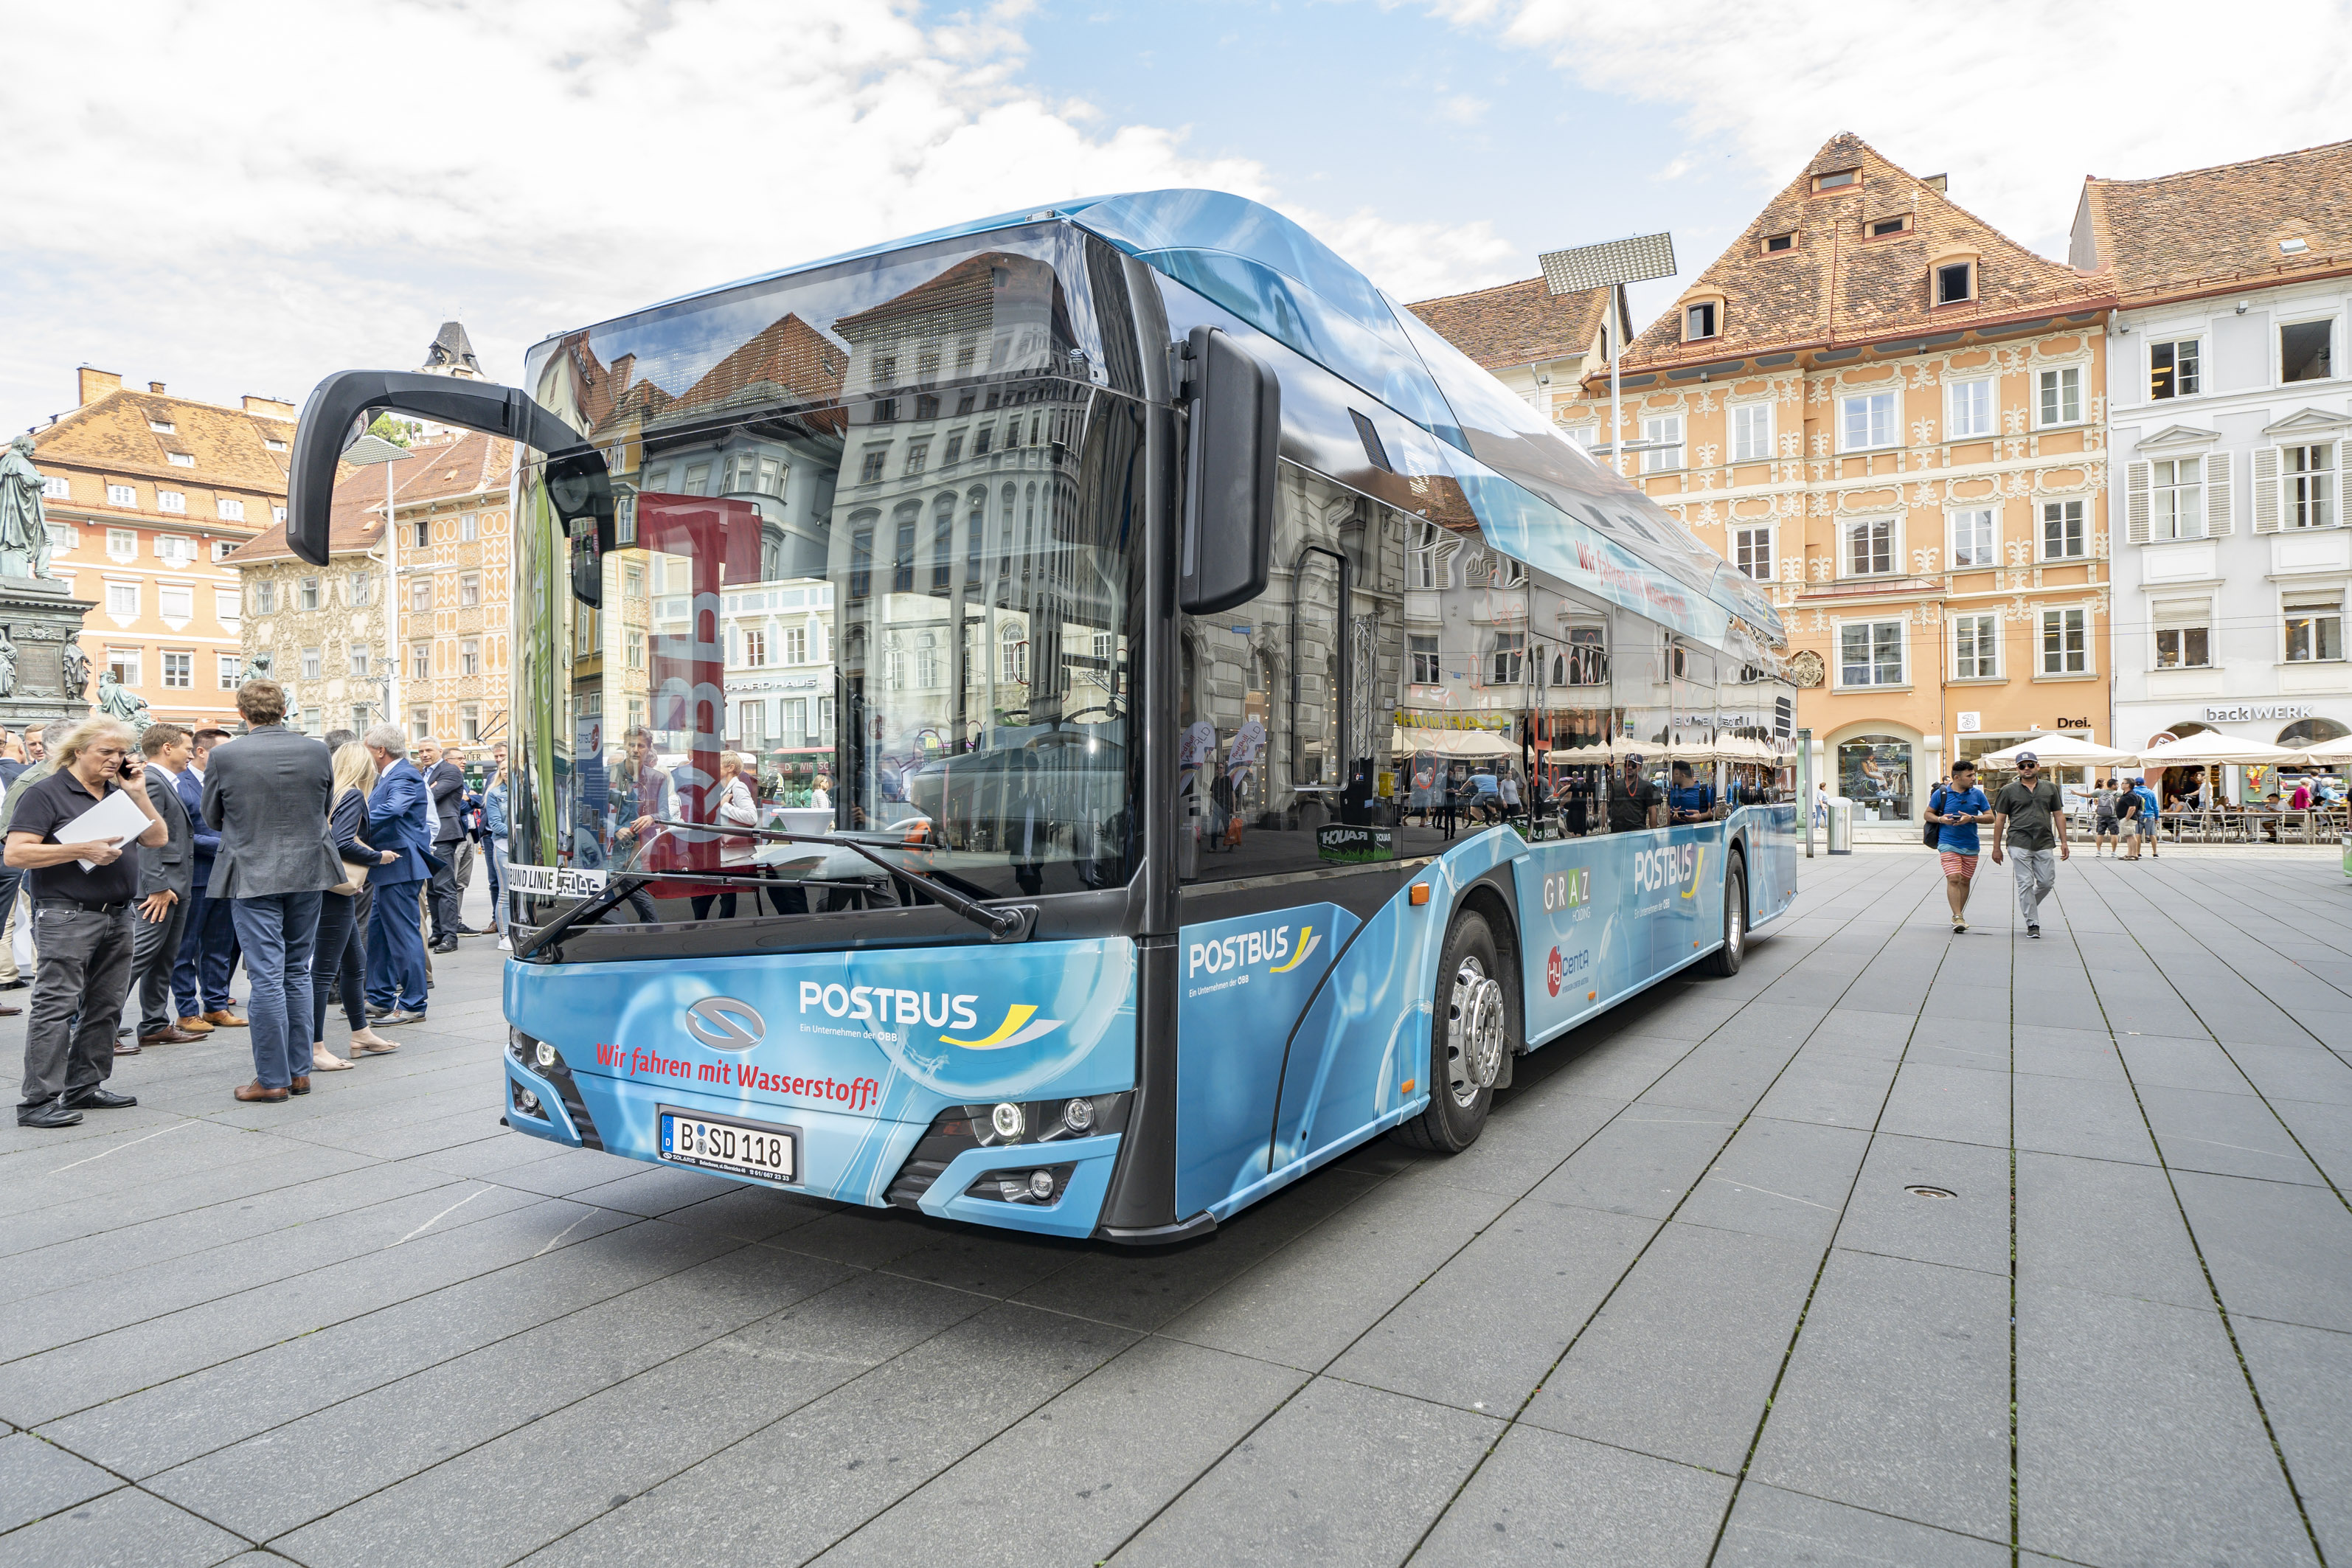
x: 116, y: 820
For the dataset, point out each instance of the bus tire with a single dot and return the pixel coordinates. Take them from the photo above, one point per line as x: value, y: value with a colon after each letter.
x: 1471, y: 1030
x: 1726, y: 959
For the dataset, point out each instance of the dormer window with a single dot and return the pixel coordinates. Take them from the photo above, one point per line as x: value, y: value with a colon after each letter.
x: 1776, y: 243
x: 1699, y: 322
x: 162, y: 427
x: 1956, y: 282
x: 1882, y: 227
x: 1838, y: 180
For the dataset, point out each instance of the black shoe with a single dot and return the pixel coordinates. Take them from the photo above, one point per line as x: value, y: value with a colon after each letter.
x: 2033, y: 932
x: 446, y: 944
x: 48, y: 1114
x: 14, y: 984
x: 96, y: 1099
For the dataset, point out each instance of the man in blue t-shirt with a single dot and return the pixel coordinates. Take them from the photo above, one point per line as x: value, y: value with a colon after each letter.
x: 1688, y: 800
x: 1959, y: 806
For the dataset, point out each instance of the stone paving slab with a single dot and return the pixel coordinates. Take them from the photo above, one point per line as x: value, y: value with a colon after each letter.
x: 1698, y: 1297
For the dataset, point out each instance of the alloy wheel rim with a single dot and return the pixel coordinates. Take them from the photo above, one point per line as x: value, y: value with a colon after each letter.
x: 1473, y: 1032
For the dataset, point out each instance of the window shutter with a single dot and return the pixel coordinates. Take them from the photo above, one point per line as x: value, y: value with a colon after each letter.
x: 2266, y: 489
x: 2135, y: 501
x: 2218, y: 523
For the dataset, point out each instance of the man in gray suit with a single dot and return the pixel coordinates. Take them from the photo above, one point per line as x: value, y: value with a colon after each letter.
x: 167, y: 886
x: 268, y: 792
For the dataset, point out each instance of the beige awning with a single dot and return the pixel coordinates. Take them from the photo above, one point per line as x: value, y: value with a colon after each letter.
x: 1417, y: 741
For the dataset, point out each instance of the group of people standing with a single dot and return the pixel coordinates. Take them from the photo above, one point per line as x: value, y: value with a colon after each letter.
x: 309, y: 862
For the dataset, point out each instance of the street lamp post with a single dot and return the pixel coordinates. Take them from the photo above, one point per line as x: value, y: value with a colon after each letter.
x: 376, y: 449
x: 1611, y: 265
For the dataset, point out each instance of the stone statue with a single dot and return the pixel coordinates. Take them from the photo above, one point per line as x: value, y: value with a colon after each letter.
x: 116, y: 701
x: 7, y: 664
x: 259, y: 665
x: 23, y: 525
x: 77, y: 672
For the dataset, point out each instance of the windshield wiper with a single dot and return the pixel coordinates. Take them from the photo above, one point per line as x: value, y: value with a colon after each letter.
x: 1000, y: 924
x: 621, y: 886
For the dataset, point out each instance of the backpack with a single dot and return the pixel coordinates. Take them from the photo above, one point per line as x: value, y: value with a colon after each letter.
x: 1932, y: 834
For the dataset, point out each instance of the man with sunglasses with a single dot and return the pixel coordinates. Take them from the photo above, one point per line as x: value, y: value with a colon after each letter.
x: 2028, y: 816
x: 82, y: 922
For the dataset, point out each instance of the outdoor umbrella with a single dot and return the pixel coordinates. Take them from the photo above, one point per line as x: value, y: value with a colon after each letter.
x: 2210, y: 748
x: 2057, y: 751
x: 2330, y: 753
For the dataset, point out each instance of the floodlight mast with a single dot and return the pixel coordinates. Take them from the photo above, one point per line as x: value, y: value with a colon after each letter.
x: 1611, y: 265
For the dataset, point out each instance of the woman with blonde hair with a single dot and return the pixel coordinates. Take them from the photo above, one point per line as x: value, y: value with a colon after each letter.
x: 341, y: 952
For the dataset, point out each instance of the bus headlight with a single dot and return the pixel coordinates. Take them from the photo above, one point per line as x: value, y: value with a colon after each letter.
x: 1008, y: 1121
x: 546, y: 1054
x: 1041, y: 1186
x: 1078, y: 1115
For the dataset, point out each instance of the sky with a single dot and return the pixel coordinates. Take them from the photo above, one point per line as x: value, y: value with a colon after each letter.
x: 230, y: 197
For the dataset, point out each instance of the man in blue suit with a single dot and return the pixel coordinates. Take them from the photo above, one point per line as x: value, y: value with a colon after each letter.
x: 208, y: 946
x: 399, y: 823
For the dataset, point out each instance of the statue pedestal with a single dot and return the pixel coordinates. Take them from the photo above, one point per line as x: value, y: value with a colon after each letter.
x: 40, y: 616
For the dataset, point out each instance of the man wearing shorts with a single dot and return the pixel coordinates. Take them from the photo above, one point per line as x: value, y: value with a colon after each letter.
x: 1959, y: 808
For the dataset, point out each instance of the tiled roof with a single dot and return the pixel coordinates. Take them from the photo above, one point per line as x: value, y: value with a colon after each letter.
x: 465, y: 464
x: 1516, y: 323
x: 115, y: 433
x: 1835, y: 286
x: 2213, y: 226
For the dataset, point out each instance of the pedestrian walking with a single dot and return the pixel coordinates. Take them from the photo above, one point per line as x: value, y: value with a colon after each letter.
x: 85, y: 922
x: 2106, y: 826
x: 2149, y: 818
x: 167, y: 886
x: 2127, y: 810
x: 267, y: 793
x: 2029, y: 819
x: 1506, y: 786
x: 338, y: 961
x: 399, y: 820
x: 494, y: 831
x: 1960, y: 808
x: 208, y: 951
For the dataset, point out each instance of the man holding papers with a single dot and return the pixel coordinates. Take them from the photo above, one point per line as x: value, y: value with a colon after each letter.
x: 73, y: 833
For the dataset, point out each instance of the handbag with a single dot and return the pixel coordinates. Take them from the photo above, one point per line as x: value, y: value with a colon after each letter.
x: 1932, y: 834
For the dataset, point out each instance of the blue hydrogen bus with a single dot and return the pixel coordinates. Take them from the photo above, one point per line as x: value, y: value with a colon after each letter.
x: 1073, y: 722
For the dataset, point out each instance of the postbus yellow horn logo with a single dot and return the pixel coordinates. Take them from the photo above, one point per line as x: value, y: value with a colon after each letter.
x: 1016, y: 1030
x: 1307, y: 940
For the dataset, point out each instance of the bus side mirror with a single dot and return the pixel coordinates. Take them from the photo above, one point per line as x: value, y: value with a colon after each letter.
x: 1226, y: 541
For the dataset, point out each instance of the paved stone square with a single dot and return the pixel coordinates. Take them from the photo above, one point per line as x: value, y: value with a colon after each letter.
x: 1682, y: 1304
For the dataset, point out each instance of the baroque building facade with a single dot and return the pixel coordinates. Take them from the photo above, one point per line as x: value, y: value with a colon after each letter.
x: 2231, y: 417
x: 1893, y: 414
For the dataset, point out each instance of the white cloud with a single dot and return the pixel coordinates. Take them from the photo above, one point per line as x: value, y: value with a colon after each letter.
x: 2016, y: 100
x: 236, y: 198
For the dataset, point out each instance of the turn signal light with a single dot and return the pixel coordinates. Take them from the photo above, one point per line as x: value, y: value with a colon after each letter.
x: 1407, y: 1087
x: 1420, y: 894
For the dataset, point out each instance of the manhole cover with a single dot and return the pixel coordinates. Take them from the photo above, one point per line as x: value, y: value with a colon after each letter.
x: 1931, y: 1192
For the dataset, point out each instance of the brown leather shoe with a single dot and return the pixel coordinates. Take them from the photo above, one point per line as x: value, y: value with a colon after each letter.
x: 168, y: 1035
x: 253, y: 1091
x: 7, y: 1012
x: 224, y: 1019
x: 193, y: 1026
x: 300, y: 1085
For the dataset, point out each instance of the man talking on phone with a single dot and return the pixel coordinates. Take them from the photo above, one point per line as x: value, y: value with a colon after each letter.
x: 81, y: 919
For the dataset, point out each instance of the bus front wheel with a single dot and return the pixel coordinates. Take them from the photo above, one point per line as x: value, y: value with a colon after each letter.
x: 1471, y: 1030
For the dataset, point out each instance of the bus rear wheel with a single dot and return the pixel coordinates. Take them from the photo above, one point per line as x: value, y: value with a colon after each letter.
x: 1472, y: 1028
x: 1726, y: 962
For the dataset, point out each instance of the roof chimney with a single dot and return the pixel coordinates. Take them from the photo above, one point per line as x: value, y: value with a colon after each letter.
x: 1935, y: 182
x: 156, y: 387
x: 97, y: 384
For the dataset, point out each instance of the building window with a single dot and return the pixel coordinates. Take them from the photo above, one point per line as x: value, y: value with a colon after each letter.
x: 1869, y: 653
x: 1507, y: 664
x: 306, y: 593
x: 57, y: 487
x: 163, y: 426
x: 224, y: 548
x: 1972, y: 410
x: 123, y: 600
x: 469, y: 589
x: 2172, y: 368
x: 420, y: 535
x: 796, y: 725
x: 171, y: 500
x: 230, y: 508
x: 1698, y: 321
x: 2061, y: 531
x: 1976, y: 648
x: 870, y: 471
x: 1584, y: 436
x: 955, y: 448
x: 124, y: 662
x: 468, y: 529
x: 2184, y: 640
x: 755, y: 648
x: 420, y: 661
x: 176, y: 550
x: 420, y: 723
x: 1752, y: 551
x: 1752, y: 432
x: 264, y: 596
x: 229, y: 669
x: 696, y: 481
x: 1663, y: 435
x: 633, y: 581
x: 2304, y: 351
x: 794, y: 645
x: 980, y: 439
x: 121, y: 544
x: 175, y: 601
x: 180, y: 459
x: 1972, y: 538
x: 1869, y: 421
x: 1425, y: 671
x: 1420, y: 561
x: 2307, y: 485
x: 314, y: 663
x: 1013, y: 655
x: 179, y: 671
x: 918, y: 454
x: 1869, y: 547
x: 2065, y: 642
x: 2314, y: 627
x: 360, y: 657
x: 278, y: 515
x: 1881, y: 227
x: 470, y: 657
x: 122, y: 495
x: 363, y: 589
x: 420, y: 593
x: 470, y: 724
x: 228, y: 606
x: 2177, y: 498
x: 2060, y: 396
x: 1956, y: 282
x: 1836, y: 180
x: 1776, y: 243
x: 269, y: 445
x: 1874, y: 771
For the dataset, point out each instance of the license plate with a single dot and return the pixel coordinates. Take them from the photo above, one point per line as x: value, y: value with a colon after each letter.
x: 722, y: 1143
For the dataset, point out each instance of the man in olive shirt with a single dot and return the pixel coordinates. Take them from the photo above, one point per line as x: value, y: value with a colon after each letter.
x: 83, y: 920
x: 2029, y: 816
x: 1634, y: 801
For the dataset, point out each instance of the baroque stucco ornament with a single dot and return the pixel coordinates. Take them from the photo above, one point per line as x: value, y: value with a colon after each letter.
x: 1805, y: 668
